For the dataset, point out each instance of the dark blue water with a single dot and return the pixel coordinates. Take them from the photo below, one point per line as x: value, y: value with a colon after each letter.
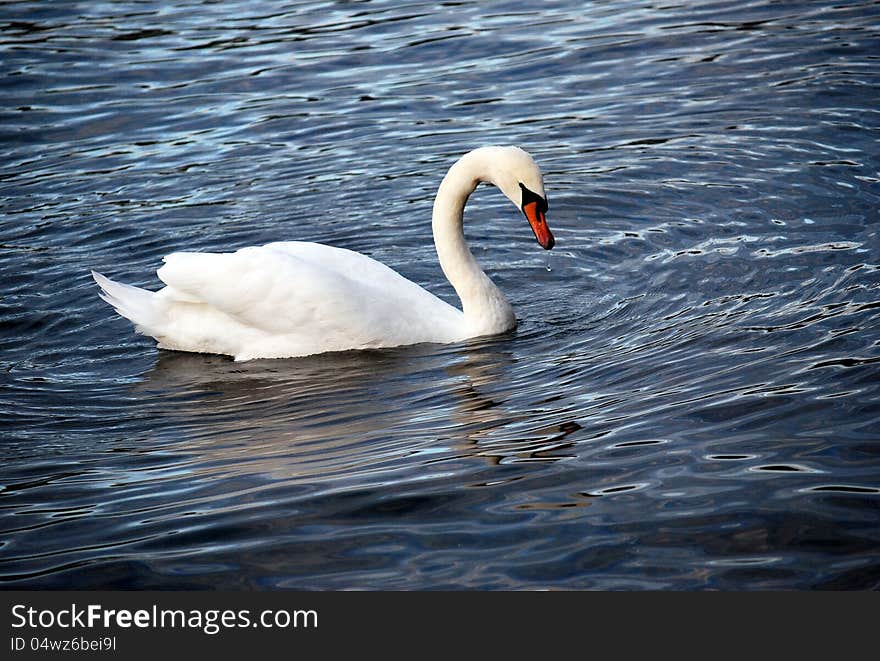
x: 691, y: 401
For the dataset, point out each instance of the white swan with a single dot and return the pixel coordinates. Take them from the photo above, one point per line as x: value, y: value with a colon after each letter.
x: 295, y: 298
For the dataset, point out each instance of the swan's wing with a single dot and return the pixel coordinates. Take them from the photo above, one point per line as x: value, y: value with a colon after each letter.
x: 392, y: 294
x: 260, y: 287
x: 347, y: 263
x: 302, y: 288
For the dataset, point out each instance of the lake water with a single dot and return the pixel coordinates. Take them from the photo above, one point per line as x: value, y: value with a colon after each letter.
x: 691, y: 400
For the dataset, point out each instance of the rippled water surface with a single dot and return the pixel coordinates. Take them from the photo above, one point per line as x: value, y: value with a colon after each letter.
x: 691, y: 400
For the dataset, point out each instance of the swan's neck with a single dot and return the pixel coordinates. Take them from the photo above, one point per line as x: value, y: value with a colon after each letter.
x: 486, y: 311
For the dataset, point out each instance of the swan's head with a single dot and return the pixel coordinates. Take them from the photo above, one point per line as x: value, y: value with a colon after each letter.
x: 517, y: 175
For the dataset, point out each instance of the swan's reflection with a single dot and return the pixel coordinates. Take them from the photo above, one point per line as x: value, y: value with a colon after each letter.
x: 492, y: 423
x: 361, y: 415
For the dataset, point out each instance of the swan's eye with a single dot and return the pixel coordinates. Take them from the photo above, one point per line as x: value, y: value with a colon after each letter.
x: 535, y: 207
x: 528, y: 197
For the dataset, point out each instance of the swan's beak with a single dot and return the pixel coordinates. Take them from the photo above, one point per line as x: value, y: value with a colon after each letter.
x: 539, y: 225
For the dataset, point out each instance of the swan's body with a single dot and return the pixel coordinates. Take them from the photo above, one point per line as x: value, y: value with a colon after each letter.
x: 295, y: 298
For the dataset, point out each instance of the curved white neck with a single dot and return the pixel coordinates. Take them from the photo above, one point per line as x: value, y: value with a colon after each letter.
x: 485, y: 308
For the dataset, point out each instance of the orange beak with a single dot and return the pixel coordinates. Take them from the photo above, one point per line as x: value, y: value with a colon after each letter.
x: 538, y: 222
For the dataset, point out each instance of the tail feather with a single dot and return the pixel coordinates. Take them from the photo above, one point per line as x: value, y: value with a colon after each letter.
x: 133, y: 303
